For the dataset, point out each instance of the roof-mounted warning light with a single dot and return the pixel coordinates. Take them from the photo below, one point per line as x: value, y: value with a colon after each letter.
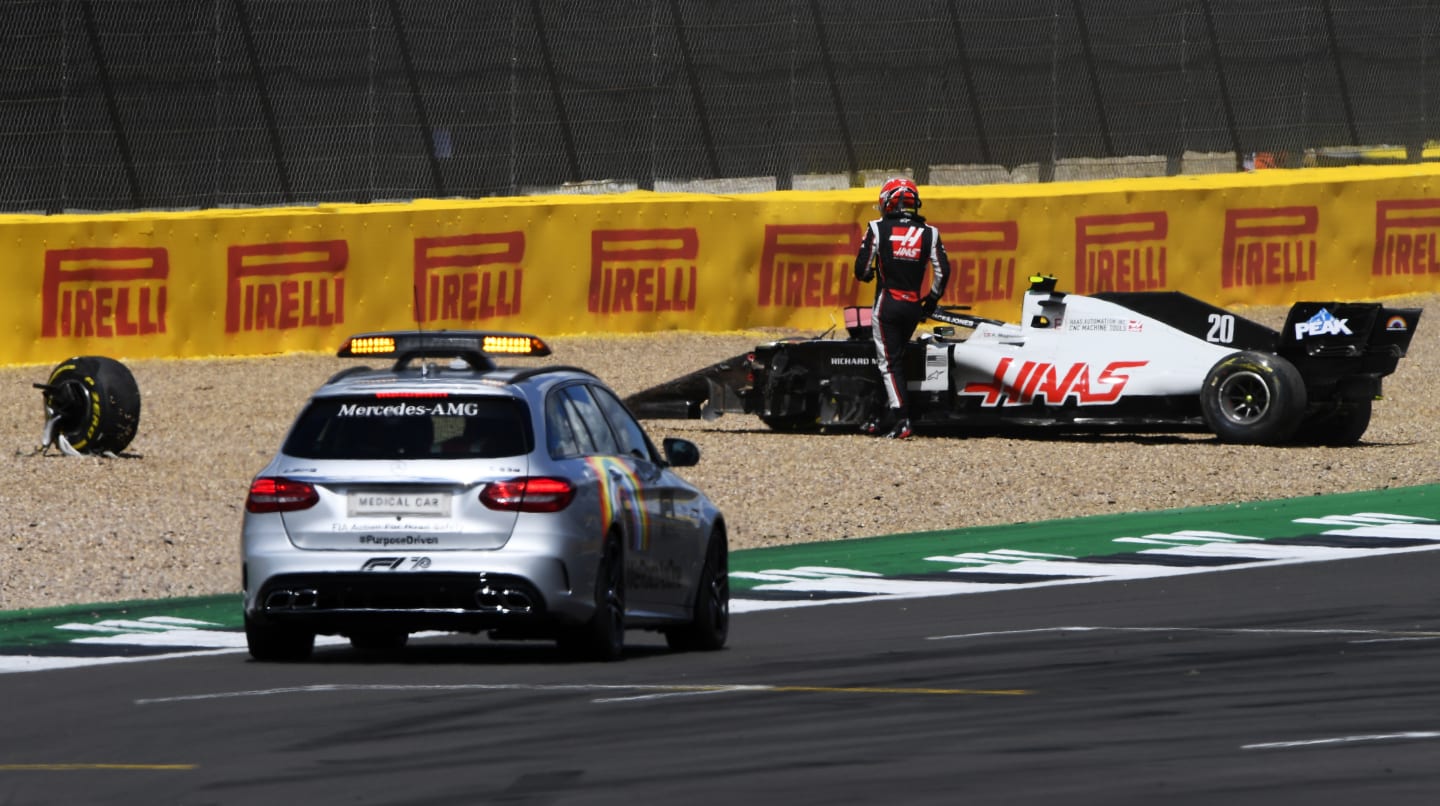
x: 474, y: 347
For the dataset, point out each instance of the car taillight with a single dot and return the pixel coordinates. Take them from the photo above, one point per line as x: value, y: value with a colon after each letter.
x: 538, y: 494
x: 280, y: 495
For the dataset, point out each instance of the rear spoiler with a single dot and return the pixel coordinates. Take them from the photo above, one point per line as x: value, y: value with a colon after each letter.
x: 1347, y: 330
x: 1343, y: 349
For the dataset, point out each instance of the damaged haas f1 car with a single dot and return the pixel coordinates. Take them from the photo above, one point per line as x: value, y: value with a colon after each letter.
x: 1136, y: 361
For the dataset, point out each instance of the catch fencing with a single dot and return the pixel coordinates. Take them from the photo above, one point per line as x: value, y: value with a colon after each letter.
x: 163, y: 104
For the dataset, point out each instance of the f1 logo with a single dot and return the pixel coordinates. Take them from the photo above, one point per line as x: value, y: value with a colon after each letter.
x: 382, y: 564
x: 906, y: 243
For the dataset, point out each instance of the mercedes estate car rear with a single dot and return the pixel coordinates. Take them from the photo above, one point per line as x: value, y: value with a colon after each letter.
x: 446, y: 493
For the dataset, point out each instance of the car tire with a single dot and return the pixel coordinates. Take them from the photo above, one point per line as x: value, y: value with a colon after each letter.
x: 1253, y: 398
x: 277, y: 644
x: 602, y: 638
x: 379, y: 641
x: 1339, y: 428
x: 96, y: 401
x: 710, y: 626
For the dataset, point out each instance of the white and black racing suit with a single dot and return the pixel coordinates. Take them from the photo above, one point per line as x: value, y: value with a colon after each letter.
x: 896, y: 251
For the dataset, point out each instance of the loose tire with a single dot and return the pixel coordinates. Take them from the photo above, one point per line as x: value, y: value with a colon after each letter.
x: 275, y: 643
x: 710, y: 627
x: 97, y: 403
x: 602, y: 638
x: 1253, y: 398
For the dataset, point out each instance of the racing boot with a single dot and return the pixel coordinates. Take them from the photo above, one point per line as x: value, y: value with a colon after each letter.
x: 901, y: 430
x: 879, y: 422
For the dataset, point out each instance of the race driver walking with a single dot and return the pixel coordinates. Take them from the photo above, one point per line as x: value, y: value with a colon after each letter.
x: 895, y: 251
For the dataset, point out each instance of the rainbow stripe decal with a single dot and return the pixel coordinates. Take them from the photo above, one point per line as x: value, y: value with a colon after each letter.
x: 621, y: 499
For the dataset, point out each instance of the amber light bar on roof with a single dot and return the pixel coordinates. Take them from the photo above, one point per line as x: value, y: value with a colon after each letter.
x: 371, y: 345
x: 410, y: 395
x: 472, y: 345
x: 495, y: 344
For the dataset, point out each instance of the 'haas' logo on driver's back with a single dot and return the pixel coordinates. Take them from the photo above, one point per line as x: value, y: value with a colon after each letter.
x: 906, y: 243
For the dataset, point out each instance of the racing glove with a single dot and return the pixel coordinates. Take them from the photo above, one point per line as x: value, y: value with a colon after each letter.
x: 927, y: 306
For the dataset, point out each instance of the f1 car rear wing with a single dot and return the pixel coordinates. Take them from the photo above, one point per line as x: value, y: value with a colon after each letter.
x: 1343, y: 349
x: 1347, y: 329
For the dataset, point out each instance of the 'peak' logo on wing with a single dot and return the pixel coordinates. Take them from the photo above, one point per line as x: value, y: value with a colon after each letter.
x: 1323, y: 323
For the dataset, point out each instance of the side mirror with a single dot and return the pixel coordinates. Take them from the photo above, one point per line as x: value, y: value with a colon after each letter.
x: 681, y: 452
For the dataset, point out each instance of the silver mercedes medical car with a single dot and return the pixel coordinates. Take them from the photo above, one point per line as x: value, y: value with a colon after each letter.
x: 445, y: 492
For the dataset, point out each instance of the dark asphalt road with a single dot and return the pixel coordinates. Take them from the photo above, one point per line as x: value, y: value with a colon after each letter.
x: 1300, y: 684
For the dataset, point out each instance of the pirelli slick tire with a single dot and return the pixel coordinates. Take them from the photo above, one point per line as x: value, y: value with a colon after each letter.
x: 1253, y: 398
x: 96, y: 401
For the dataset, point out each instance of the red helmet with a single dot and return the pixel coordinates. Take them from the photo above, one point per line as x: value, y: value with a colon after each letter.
x: 897, y: 194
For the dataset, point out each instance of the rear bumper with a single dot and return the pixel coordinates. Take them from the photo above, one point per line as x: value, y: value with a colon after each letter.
x: 347, y: 602
x: 339, y: 592
x: 533, y: 579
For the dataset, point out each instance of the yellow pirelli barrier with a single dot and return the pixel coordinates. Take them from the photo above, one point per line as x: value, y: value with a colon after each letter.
x: 266, y: 281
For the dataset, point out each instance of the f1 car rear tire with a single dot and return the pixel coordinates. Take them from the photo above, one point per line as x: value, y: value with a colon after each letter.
x: 710, y: 627
x: 1253, y: 398
x: 276, y: 643
x: 1340, y: 428
x: 602, y: 638
x: 97, y: 402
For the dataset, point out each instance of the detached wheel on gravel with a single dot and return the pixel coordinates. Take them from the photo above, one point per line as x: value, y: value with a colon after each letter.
x: 92, y: 403
x: 1253, y: 398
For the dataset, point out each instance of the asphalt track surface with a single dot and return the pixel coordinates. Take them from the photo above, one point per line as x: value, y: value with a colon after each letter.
x: 1310, y: 683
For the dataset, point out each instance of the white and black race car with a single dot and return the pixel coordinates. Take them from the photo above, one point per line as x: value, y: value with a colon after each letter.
x: 1141, y: 361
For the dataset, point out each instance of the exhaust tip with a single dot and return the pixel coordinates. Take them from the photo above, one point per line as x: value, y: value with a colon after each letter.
x: 503, y: 600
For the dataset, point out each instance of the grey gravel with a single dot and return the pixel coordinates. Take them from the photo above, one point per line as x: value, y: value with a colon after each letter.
x: 163, y: 520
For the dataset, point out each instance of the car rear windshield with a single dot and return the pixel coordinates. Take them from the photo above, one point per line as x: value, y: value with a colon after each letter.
x: 400, y: 427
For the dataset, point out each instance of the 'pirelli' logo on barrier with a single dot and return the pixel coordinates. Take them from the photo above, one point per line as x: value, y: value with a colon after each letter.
x: 104, y: 292
x: 1269, y: 246
x: 1124, y: 252
x: 808, y: 266
x: 1405, y: 232
x: 468, y: 278
x: 982, y: 260
x: 284, y: 286
x: 643, y: 270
